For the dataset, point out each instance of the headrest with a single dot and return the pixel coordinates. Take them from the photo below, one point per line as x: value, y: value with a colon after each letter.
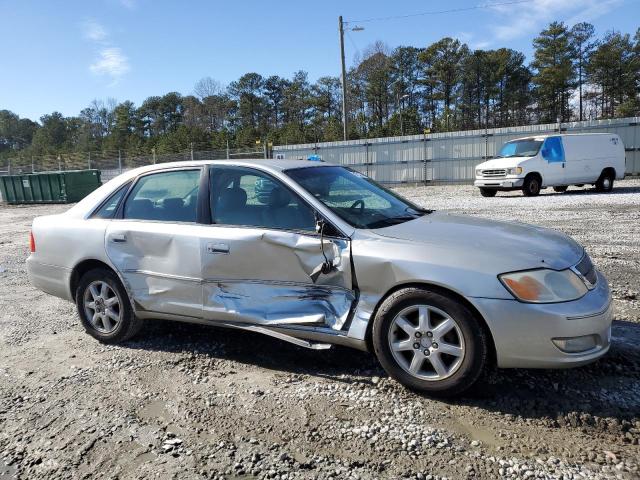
x: 173, y: 203
x: 232, y: 198
x: 279, y: 198
x: 140, y: 207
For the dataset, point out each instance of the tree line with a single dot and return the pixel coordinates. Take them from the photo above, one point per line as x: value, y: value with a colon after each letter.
x: 446, y: 86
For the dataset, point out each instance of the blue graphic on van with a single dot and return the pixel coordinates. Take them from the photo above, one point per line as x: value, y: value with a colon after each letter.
x: 552, y: 150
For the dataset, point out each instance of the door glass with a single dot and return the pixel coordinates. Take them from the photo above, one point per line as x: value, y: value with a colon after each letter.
x: 246, y: 197
x: 552, y: 150
x: 167, y: 196
x: 108, y: 209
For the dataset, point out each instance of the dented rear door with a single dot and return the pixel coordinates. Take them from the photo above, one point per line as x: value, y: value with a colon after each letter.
x: 160, y: 263
x: 154, y: 243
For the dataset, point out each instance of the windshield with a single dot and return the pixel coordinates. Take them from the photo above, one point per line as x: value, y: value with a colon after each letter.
x: 355, y: 198
x: 520, y: 148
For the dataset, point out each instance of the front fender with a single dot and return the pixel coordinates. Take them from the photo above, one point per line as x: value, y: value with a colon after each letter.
x: 403, y: 264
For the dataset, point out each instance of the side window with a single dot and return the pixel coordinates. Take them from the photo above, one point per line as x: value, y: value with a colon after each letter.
x: 552, y: 150
x: 246, y: 197
x: 167, y: 197
x: 108, y: 208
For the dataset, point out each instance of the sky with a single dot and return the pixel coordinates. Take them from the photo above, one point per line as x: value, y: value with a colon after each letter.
x: 60, y: 55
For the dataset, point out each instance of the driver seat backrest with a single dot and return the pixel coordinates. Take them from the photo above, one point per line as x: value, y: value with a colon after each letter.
x: 279, y: 214
x: 231, y: 206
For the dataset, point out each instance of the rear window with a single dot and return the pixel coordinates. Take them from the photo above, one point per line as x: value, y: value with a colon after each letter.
x: 109, y: 207
x: 166, y: 197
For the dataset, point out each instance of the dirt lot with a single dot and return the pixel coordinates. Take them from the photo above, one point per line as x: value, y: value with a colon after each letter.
x: 187, y: 401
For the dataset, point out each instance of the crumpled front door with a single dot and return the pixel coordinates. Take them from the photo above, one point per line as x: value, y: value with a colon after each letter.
x: 272, y: 277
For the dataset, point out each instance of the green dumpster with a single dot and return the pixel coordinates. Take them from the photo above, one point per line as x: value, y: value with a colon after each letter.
x: 49, y: 187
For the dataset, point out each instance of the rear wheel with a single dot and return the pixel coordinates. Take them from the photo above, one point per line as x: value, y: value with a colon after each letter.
x: 104, y: 307
x: 531, y: 186
x: 560, y: 189
x: 488, y: 192
x: 605, y: 182
x: 429, y: 342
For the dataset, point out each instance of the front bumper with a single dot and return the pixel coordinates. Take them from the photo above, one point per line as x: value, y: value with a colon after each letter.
x: 524, y: 333
x: 498, y: 182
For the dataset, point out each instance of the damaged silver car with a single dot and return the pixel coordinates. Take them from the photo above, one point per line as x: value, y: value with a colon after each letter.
x: 317, y: 255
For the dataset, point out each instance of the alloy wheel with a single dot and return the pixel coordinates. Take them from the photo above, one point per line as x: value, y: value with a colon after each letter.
x: 102, y: 307
x: 426, y: 342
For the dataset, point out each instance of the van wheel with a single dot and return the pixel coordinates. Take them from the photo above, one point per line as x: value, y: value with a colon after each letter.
x: 560, y: 189
x: 531, y: 186
x: 429, y: 342
x: 605, y: 182
x: 488, y: 192
x: 104, y: 308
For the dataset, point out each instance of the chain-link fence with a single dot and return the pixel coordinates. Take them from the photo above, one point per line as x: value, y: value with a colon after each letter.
x: 114, y: 162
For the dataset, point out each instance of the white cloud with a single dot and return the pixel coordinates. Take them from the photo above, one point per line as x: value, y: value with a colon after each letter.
x: 529, y: 18
x: 94, y: 31
x: 130, y: 4
x: 471, y: 40
x: 111, y: 62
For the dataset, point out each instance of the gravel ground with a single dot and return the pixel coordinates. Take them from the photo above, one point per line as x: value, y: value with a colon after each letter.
x: 198, y: 402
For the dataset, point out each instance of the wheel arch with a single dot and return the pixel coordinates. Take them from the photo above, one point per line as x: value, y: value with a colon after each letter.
x: 83, y: 267
x: 535, y: 174
x: 438, y: 289
x: 609, y: 169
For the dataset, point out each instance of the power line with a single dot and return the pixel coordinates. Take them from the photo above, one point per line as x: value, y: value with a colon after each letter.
x: 440, y: 12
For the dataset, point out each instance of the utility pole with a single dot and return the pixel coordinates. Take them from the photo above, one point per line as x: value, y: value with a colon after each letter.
x: 344, y: 79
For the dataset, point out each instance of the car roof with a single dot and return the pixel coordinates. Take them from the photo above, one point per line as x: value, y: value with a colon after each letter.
x: 268, y: 163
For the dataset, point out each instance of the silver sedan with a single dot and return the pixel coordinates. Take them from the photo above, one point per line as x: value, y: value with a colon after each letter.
x: 317, y: 255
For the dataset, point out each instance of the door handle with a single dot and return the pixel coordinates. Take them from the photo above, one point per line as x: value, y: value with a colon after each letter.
x: 118, y: 238
x: 218, y: 248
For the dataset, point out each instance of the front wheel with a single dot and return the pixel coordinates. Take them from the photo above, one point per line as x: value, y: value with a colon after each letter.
x: 429, y: 342
x: 531, y: 186
x: 488, y: 192
x: 104, y: 308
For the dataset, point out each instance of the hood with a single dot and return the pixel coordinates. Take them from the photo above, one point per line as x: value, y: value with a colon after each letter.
x: 500, y: 246
x: 502, y: 162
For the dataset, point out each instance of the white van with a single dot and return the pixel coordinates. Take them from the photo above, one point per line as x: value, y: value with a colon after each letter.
x: 559, y: 160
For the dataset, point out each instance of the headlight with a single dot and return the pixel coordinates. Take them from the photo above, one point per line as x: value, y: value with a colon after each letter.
x: 514, y: 171
x: 479, y: 172
x: 544, y: 285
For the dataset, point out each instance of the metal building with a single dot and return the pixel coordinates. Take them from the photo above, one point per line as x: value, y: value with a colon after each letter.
x: 452, y: 156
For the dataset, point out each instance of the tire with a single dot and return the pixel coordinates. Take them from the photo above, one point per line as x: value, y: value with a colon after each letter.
x: 115, y: 321
x: 531, y: 186
x: 561, y: 189
x: 457, y: 372
x: 488, y: 192
x: 605, y: 182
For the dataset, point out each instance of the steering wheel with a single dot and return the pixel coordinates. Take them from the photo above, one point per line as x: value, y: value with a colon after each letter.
x: 355, y: 204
